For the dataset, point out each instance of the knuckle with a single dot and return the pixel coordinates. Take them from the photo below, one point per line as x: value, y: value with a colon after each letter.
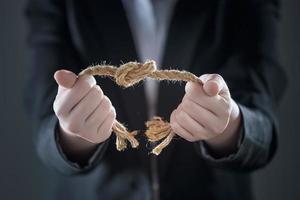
x: 186, y: 105
x: 95, y: 89
x: 87, y: 82
x: 90, y: 80
x: 187, y: 87
x: 113, y: 113
x: 174, y: 126
x: 111, y: 120
x: 58, y: 110
x: 180, y: 116
x: 99, y: 91
x: 190, y: 87
x: 106, y: 103
x: 106, y: 100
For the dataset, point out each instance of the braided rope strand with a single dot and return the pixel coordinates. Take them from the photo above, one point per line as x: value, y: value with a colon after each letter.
x: 128, y: 75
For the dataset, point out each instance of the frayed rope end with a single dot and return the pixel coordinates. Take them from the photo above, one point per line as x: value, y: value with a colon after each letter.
x: 157, y: 130
x: 123, y: 135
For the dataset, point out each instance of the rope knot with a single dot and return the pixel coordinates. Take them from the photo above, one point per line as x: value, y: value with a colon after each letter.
x: 131, y: 73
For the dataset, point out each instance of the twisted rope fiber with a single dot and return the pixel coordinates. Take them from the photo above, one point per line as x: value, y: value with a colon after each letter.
x: 129, y: 74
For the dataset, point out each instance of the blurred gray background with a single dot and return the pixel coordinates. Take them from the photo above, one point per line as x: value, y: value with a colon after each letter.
x: 22, y: 176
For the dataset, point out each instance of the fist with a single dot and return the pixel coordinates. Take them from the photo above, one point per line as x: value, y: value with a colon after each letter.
x: 82, y: 109
x: 206, y: 112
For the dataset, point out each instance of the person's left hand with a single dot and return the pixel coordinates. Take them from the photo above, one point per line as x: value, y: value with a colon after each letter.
x: 207, y: 112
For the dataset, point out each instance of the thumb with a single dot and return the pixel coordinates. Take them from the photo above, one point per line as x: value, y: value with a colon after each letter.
x: 65, y: 78
x: 213, y: 84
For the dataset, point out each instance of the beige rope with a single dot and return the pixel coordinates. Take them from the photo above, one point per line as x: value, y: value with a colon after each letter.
x: 128, y: 75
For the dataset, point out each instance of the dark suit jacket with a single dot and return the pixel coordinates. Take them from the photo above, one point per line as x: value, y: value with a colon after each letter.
x: 234, y: 38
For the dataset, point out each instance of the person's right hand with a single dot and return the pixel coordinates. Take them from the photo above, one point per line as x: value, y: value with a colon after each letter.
x: 82, y: 109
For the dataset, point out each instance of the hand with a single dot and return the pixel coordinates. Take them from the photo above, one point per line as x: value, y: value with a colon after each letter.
x: 85, y: 114
x: 208, y: 113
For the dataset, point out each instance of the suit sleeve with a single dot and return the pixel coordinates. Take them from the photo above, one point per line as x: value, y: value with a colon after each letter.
x: 256, y: 82
x: 50, y: 49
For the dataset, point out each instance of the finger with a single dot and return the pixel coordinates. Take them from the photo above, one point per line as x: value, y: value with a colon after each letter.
x: 213, y: 84
x: 65, y: 78
x: 201, y: 115
x: 180, y: 130
x: 68, y: 99
x: 91, y: 133
x: 214, y: 104
x: 190, y: 125
x: 98, y: 116
x: 86, y: 106
x: 105, y: 129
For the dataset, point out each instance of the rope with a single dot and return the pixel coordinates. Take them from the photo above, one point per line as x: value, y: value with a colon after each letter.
x: 128, y: 75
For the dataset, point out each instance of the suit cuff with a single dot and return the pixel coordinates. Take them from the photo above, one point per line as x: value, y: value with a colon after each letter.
x: 247, y: 145
x: 206, y: 153
x: 54, y: 155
